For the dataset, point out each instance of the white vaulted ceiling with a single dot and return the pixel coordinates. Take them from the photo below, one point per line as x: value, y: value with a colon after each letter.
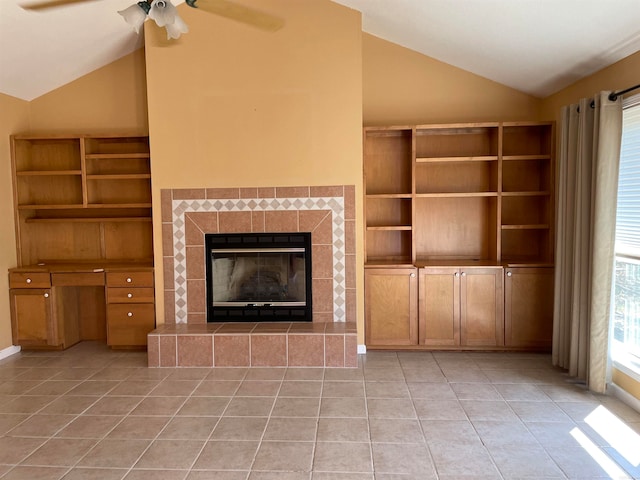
x: 535, y: 46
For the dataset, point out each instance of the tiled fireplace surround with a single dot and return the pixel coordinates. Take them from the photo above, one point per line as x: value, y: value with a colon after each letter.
x: 187, y: 340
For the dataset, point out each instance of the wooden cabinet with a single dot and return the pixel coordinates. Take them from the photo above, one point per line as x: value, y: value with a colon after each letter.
x: 40, y: 316
x: 82, y: 206
x: 528, y: 307
x: 391, y: 307
x: 32, y: 321
x: 82, y: 197
x: 59, y: 304
x: 461, y: 306
x: 32, y: 317
x: 130, y: 308
x: 461, y: 196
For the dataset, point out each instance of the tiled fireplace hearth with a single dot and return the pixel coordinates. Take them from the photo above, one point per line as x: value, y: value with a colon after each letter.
x: 186, y: 339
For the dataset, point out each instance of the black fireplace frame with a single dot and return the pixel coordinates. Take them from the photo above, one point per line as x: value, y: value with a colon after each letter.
x: 259, y: 312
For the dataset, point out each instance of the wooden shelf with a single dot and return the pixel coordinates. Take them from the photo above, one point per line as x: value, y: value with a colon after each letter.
x: 399, y: 262
x: 391, y: 227
x: 508, y: 158
x: 47, y: 173
x: 75, y: 206
x: 119, y: 176
x: 82, y: 197
x: 71, y: 206
x: 456, y: 262
x: 389, y: 195
x: 478, y: 190
x: 119, y: 205
x: 456, y: 195
x: 484, y: 158
x: 524, y: 263
x: 525, y: 227
x: 542, y: 193
x: 99, y: 156
x: 88, y: 220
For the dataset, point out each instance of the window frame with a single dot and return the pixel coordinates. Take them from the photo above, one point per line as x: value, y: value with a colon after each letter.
x: 622, y: 360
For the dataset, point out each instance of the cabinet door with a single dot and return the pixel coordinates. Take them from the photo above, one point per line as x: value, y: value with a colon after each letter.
x: 439, y: 306
x: 32, y: 319
x: 529, y: 307
x: 481, y: 307
x: 390, y: 307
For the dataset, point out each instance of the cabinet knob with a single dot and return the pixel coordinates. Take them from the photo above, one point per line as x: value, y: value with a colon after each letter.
x: 463, y: 274
x: 509, y: 274
x: 129, y: 314
x: 129, y: 295
x: 129, y: 280
x: 412, y: 275
x: 46, y: 295
x: 28, y: 280
x: 456, y: 274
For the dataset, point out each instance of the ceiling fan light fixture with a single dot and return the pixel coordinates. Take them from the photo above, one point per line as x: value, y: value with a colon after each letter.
x: 177, y: 28
x: 163, y: 12
x: 135, y: 15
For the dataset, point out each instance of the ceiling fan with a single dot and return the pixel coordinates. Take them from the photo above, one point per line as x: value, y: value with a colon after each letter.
x: 164, y: 13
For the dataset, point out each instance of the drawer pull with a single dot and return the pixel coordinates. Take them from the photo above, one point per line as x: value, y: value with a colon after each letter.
x: 129, y: 314
x: 129, y: 295
x: 28, y: 280
x: 46, y: 295
x: 129, y: 280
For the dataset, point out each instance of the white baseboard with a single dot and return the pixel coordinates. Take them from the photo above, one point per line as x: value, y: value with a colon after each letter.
x: 624, y: 396
x: 362, y: 349
x: 7, y: 352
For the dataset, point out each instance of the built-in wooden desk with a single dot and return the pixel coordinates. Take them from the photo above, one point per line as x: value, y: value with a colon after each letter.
x: 56, y: 304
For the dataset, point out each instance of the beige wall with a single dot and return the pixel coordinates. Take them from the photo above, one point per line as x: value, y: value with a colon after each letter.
x: 233, y: 106
x: 111, y: 99
x: 619, y: 76
x: 624, y: 381
x: 14, y: 117
x: 403, y: 87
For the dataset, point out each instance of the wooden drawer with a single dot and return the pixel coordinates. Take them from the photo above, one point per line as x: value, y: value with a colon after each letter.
x: 92, y: 279
x: 130, y: 279
x: 130, y: 295
x: 128, y: 325
x: 29, y: 280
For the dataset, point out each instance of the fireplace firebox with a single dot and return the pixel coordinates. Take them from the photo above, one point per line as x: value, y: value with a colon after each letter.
x: 258, y: 277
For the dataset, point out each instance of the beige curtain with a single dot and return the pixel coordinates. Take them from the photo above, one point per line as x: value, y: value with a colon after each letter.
x: 587, y: 184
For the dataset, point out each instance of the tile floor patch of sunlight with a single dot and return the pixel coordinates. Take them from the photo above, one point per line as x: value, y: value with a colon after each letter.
x: 616, y: 433
x: 606, y: 463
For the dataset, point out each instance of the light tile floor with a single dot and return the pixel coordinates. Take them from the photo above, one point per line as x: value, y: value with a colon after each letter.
x: 92, y: 413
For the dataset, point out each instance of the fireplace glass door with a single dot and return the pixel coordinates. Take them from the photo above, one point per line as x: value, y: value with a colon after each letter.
x: 258, y: 277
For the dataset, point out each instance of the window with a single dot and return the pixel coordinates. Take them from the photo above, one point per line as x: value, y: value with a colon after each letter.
x: 626, y: 305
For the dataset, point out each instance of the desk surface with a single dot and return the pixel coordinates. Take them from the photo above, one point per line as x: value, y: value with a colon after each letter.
x: 88, y: 266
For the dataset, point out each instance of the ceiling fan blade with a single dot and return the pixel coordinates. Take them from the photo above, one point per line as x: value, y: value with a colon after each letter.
x: 240, y: 13
x: 43, y: 5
